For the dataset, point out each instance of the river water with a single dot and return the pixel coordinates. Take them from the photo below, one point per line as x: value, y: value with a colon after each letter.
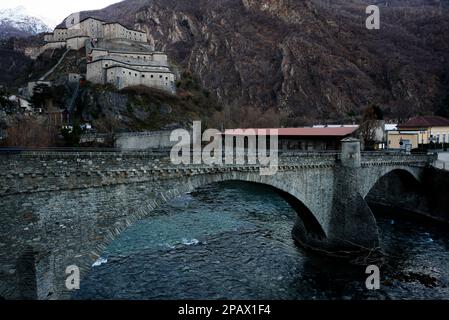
x: 233, y: 241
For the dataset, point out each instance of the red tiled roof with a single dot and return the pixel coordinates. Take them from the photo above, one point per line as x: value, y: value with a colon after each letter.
x: 299, y: 132
x: 426, y: 121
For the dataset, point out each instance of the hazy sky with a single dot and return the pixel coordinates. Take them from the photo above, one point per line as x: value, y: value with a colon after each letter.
x: 54, y: 11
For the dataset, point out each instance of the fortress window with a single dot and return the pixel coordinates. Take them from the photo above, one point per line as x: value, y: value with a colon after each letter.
x: 166, y: 78
x: 143, y: 76
x: 152, y: 76
x: 160, y: 76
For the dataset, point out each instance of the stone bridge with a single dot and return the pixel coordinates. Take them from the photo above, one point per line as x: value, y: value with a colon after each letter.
x: 61, y: 209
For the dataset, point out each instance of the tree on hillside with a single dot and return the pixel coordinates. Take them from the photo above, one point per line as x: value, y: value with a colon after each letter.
x: 42, y: 93
x: 4, y: 101
x: 370, y: 123
x: 72, y: 136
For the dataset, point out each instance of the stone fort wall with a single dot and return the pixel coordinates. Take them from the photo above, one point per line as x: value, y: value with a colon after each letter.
x: 95, y: 28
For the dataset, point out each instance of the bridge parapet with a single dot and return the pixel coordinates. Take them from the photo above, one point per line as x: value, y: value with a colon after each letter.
x: 32, y: 172
x: 396, y: 158
x: 41, y: 171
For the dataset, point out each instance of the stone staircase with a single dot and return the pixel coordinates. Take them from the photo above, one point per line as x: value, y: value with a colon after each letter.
x: 49, y: 72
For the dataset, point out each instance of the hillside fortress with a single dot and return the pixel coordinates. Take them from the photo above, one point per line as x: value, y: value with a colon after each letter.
x: 115, y: 54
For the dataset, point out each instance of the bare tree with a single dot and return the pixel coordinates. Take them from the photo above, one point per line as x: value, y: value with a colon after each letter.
x: 369, y: 126
x: 29, y: 132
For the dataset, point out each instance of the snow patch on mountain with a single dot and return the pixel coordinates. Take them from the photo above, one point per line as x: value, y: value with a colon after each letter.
x: 17, y: 22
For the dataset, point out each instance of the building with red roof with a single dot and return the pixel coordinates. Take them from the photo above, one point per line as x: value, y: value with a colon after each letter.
x: 428, y: 128
x: 305, y: 138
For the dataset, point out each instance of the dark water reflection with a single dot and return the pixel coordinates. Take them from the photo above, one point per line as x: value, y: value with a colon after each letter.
x: 233, y: 241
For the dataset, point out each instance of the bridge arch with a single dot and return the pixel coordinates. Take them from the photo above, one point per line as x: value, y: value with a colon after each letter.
x: 372, y: 176
x: 399, y: 188
x: 307, y: 221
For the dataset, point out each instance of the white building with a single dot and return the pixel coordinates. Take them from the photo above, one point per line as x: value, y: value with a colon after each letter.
x: 140, y: 56
x: 21, y: 102
x: 122, y: 70
x: 93, y: 28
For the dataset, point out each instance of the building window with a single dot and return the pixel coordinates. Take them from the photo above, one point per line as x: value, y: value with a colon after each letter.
x: 152, y: 76
x: 160, y: 76
x: 143, y: 76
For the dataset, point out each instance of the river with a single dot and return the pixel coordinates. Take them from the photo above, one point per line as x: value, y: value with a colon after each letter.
x: 233, y: 240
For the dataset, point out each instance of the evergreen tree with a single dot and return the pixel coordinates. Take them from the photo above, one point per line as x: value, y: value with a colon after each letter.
x: 41, y: 94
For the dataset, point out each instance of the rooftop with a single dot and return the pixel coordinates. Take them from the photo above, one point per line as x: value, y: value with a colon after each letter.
x: 425, y: 122
x: 299, y: 132
x: 61, y: 26
x: 146, y: 70
x: 123, y: 45
x: 129, y: 29
x: 132, y: 61
x: 145, y: 53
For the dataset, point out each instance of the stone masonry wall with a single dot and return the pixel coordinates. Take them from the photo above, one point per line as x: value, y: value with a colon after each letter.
x: 62, y: 209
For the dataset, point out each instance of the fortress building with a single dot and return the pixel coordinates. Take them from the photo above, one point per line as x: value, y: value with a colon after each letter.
x: 92, y: 28
x: 125, y: 69
x: 115, y: 54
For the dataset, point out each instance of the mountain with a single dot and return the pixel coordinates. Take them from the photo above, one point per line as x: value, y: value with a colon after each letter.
x: 17, y: 23
x: 310, y: 61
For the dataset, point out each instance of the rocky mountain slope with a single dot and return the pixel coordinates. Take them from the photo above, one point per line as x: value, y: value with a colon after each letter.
x: 17, y: 23
x: 312, y: 60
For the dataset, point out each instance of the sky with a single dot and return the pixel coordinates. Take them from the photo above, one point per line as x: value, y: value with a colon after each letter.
x: 53, y: 12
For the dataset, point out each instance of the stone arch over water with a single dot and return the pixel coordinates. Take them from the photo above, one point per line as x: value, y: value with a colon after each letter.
x: 307, y: 222
x: 73, y: 227
x: 399, y: 189
x: 69, y: 216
